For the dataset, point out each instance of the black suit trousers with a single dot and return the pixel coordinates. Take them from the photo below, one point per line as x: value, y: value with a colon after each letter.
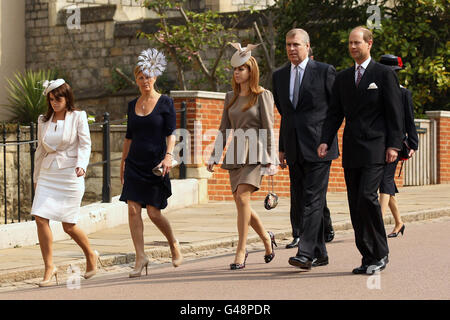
x: 365, y: 211
x: 296, y: 187
x: 309, y: 183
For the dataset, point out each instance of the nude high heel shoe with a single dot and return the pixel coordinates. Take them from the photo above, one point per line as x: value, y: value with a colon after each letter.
x: 177, y: 262
x: 92, y: 273
x: 138, y: 270
x: 48, y: 283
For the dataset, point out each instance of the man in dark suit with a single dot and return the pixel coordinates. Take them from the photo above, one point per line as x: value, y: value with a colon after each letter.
x: 302, y: 92
x: 369, y: 98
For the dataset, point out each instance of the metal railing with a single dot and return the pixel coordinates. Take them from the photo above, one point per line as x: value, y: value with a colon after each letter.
x: 17, y: 143
x: 106, y: 161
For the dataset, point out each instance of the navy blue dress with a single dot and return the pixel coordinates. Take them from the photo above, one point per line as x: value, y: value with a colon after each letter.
x: 148, y: 148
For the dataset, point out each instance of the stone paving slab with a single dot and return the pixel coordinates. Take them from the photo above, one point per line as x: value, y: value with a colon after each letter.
x: 202, y: 228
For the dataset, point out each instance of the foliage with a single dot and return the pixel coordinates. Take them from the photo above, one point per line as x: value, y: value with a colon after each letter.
x: 190, y: 44
x: 416, y: 30
x: 423, y: 43
x: 25, y: 100
x: 118, y: 82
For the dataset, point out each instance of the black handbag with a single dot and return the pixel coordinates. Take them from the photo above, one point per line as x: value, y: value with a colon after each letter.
x: 271, y: 200
x: 404, y: 152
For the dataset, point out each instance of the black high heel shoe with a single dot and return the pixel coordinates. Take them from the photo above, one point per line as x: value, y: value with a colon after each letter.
x: 269, y: 257
x: 395, y: 234
x: 236, y: 266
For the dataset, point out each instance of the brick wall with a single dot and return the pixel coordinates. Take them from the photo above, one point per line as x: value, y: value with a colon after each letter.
x: 443, y: 144
x: 209, y: 112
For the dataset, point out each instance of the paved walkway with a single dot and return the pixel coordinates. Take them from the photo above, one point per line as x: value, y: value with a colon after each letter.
x: 206, y: 227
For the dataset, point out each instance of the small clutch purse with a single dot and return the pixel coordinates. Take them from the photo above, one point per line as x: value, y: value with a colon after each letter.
x: 403, y: 154
x: 157, y: 171
x: 271, y: 200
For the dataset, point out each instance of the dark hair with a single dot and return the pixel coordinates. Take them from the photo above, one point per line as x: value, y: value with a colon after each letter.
x: 63, y: 91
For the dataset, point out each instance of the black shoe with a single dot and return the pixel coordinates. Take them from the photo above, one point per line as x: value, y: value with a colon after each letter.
x: 378, y: 266
x: 322, y: 261
x: 300, y: 261
x: 293, y: 244
x: 395, y: 234
x: 237, y: 266
x: 269, y: 257
x: 329, y: 236
x: 361, y: 270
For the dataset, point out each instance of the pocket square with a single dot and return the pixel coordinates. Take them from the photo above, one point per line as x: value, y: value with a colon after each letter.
x: 372, y: 86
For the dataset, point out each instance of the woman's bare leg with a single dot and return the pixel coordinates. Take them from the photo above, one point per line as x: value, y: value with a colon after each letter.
x: 45, y: 237
x: 163, y: 224
x: 82, y: 240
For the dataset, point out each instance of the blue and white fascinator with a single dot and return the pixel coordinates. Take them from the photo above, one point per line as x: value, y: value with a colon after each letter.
x: 51, y: 85
x: 152, y: 62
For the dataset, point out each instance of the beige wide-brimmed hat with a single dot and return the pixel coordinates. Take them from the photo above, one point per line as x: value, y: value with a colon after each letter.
x: 242, y: 55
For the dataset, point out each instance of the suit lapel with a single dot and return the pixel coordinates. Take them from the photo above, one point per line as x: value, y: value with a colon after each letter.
x: 45, y: 127
x: 286, y: 82
x: 44, y: 132
x: 308, y: 76
x: 67, y: 128
x: 365, y: 80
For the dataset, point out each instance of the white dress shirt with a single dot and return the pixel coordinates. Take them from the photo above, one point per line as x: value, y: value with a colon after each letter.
x: 302, y: 66
x: 363, y: 67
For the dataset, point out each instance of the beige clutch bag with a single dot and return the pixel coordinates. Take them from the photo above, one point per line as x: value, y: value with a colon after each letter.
x: 157, y: 171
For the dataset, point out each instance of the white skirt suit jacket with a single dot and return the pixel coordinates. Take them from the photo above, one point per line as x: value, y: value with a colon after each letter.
x: 59, y: 191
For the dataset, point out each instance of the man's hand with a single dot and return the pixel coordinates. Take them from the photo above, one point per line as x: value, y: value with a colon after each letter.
x: 391, y: 155
x: 282, y: 159
x: 411, y: 152
x: 322, y: 150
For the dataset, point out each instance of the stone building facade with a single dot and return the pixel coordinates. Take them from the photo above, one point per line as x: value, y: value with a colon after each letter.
x: 88, y: 50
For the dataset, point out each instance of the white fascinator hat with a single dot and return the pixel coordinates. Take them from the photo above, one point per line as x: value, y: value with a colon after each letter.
x: 242, y: 55
x: 152, y: 62
x: 51, y: 85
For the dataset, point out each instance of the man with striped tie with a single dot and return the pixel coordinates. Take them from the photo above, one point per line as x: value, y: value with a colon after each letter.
x: 368, y: 96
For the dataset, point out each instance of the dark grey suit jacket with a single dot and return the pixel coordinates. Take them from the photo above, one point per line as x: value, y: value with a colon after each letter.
x: 307, y: 119
x: 373, y: 117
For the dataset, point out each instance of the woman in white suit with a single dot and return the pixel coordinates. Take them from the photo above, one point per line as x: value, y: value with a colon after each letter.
x: 61, y: 159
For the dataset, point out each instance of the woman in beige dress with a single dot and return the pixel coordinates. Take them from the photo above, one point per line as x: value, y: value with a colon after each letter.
x: 248, y: 107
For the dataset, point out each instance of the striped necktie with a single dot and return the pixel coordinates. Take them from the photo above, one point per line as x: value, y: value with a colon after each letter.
x: 359, y: 75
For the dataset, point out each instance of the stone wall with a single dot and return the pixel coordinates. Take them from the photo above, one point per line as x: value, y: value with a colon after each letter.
x: 86, y: 57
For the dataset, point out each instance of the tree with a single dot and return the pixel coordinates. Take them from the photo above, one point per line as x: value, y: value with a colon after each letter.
x: 186, y: 43
x: 423, y: 43
x: 416, y: 30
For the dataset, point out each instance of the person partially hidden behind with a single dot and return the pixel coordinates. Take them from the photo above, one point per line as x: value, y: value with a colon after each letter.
x: 388, y: 189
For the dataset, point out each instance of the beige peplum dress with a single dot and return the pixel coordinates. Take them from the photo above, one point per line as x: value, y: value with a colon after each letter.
x: 252, y: 142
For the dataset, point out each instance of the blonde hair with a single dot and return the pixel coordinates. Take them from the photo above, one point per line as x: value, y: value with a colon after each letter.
x: 367, y: 34
x: 254, y: 86
x: 137, y: 70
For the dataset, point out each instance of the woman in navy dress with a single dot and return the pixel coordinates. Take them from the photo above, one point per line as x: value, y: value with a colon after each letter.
x: 149, y: 143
